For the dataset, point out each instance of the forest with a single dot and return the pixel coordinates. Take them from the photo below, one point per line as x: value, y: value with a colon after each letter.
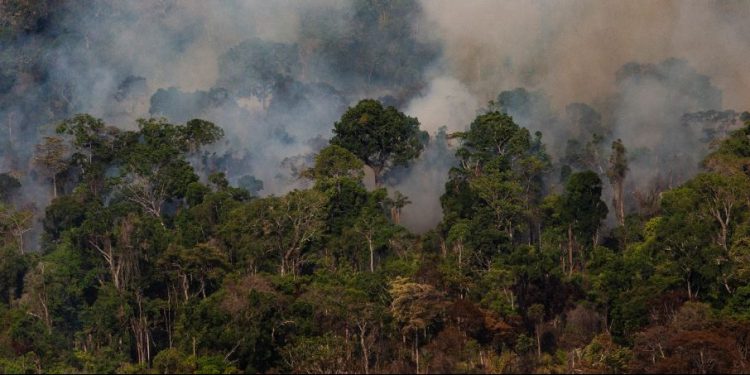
x: 327, y: 203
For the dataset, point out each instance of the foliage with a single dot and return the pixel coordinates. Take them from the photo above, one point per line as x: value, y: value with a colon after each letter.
x: 382, y: 137
x: 150, y: 266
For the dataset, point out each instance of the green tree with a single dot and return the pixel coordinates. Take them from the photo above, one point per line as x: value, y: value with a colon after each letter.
x: 93, y: 142
x: 153, y: 171
x: 283, y: 227
x: 372, y: 226
x: 503, y: 195
x: 316, y: 355
x: 535, y: 312
x: 697, y: 226
x: 582, y: 210
x: 498, y: 180
x: 493, y: 135
x: 457, y: 237
x: 381, y: 137
x: 686, y: 238
x: 194, y: 269
x: 332, y: 165
x: 618, y: 168
x: 723, y: 198
x: 338, y: 174
x: 15, y: 224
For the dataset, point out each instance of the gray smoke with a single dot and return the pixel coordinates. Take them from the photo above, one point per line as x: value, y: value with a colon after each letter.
x: 277, y: 74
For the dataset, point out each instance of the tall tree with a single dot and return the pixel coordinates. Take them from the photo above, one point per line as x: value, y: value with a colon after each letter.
x: 415, y: 306
x: 503, y: 195
x: 154, y: 170
x: 498, y: 179
x: 50, y: 157
x: 536, y: 315
x: 282, y: 226
x: 382, y: 137
x: 697, y: 228
x: 95, y: 147
x: 396, y: 204
x: 338, y: 173
x: 618, y: 168
x: 370, y: 225
x: 15, y: 223
x: 583, y: 211
x: 192, y: 270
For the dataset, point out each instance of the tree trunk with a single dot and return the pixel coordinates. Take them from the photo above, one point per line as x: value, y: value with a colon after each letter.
x: 185, y: 287
x: 570, y: 249
x: 723, y: 235
x: 621, y: 206
x: 538, y: 341
x: 19, y: 240
x: 168, y: 318
x: 54, y: 185
x: 372, y: 254
x: 416, y: 348
x: 365, y: 351
x: 726, y: 285
x: 618, y: 201
x: 460, y: 255
x: 43, y: 298
x: 139, y: 325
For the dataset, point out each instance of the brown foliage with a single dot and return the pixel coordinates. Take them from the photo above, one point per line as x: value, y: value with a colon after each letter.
x: 693, y: 342
x: 235, y: 300
x: 466, y: 317
x: 581, y: 325
x: 445, y: 351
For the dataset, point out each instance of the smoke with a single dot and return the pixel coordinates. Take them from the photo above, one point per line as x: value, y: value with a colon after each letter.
x: 424, y: 182
x: 276, y: 75
x: 573, y: 49
x: 446, y: 103
x: 628, y: 70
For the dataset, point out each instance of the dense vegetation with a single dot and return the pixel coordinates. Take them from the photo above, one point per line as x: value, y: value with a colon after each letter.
x: 145, y: 266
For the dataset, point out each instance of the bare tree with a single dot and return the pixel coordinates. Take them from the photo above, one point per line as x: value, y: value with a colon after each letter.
x: 147, y: 194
